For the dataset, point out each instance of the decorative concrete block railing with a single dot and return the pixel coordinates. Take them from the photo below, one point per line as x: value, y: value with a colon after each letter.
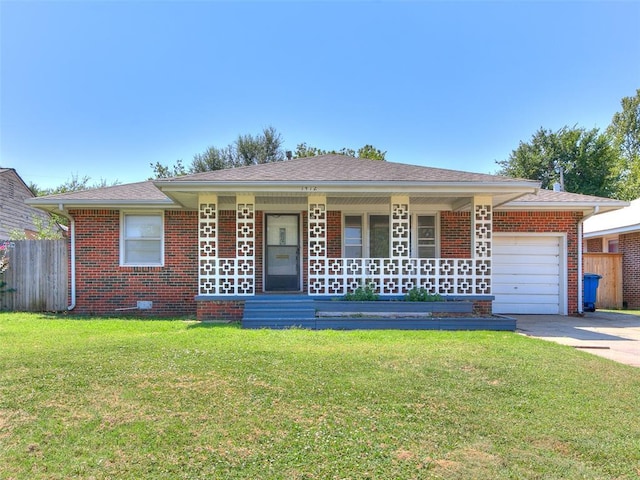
x: 396, y: 276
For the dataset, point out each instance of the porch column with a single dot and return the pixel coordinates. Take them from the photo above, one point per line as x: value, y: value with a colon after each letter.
x: 207, y: 244
x: 482, y: 228
x: 396, y: 274
x: 245, y: 245
x: 400, y: 228
x: 317, y: 244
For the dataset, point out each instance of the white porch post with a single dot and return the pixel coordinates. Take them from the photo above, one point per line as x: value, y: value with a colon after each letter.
x: 400, y: 229
x: 317, y: 244
x: 207, y: 244
x: 245, y: 245
x: 482, y: 231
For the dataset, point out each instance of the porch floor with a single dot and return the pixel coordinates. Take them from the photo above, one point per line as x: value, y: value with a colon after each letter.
x: 279, y: 311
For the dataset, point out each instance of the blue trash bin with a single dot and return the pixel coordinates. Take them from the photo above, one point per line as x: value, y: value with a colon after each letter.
x: 590, y: 290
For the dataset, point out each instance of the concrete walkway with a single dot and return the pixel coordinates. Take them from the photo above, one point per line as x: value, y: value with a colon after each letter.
x: 611, y: 335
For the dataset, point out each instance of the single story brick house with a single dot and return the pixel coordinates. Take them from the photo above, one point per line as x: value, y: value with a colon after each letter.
x: 619, y: 232
x: 205, y: 244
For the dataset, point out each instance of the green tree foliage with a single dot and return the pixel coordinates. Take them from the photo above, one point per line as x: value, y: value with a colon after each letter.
x: 75, y: 183
x: 584, y: 158
x: 246, y: 150
x: 48, y: 229
x: 625, y: 133
x: 367, y: 151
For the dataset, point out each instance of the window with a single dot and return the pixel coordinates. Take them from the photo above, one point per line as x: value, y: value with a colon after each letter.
x: 142, y: 239
x: 612, y: 246
x: 379, y: 236
x: 426, y: 236
x: 353, y: 236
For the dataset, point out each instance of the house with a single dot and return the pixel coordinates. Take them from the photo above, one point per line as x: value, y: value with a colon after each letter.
x: 208, y: 244
x: 15, y: 214
x: 619, y: 232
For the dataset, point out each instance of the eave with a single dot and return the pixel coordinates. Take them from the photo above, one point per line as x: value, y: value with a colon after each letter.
x: 62, y: 206
x: 186, y: 193
x: 585, y: 207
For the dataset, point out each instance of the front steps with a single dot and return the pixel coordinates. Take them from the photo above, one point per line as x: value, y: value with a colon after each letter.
x: 300, y: 311
x: 279, y: 311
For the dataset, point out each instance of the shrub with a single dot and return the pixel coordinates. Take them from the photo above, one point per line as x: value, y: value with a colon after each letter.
x: 364, y: 293
x: 422, y: 295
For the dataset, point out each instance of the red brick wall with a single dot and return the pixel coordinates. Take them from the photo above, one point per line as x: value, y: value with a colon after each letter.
x: 548, y: 222
x: 455, y: 234
x: 103, y: 286
x: 227, y: 233
x: 229, y: 310
x: 334, y: 234
x: 630, y: 248
x: 594, y: 245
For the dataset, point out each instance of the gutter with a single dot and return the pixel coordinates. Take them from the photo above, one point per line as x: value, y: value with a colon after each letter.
x: 72, y: 261
x: 72, y: 232
x: 596, y: 210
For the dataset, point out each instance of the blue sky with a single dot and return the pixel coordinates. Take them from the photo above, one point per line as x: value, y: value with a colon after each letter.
x: 105, y: 88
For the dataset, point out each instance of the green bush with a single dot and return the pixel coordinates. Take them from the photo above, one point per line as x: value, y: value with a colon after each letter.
x: 422, y: 295
x: 364, y: 293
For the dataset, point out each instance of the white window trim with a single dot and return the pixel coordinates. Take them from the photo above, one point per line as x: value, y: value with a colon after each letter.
x: 366, y: 214
x: 414, y: 231
x: 123, y: 214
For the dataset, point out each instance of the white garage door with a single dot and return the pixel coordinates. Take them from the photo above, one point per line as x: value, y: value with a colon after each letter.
x: 527, y: 274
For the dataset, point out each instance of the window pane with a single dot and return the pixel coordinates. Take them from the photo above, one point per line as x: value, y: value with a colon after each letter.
x: 426, y: 236
x: 143, y: 226
x: 353, y: 251
x: 353, y: 236
x: 353, y: 230
x: 379, y: 236
x: 142, y: 252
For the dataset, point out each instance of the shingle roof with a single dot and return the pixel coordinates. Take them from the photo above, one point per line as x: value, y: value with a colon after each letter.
x: 339, y: 168
x: 325, y: 168
x: 141, y: 191
x: 552, y: 196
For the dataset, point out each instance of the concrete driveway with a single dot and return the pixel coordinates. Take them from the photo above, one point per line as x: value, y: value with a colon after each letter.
x: 611, y: 335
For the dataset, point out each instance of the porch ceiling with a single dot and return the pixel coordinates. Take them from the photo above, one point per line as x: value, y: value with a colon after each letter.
x: 298, y: 200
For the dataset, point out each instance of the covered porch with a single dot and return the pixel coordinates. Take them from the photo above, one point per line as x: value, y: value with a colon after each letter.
x: 329, y: 245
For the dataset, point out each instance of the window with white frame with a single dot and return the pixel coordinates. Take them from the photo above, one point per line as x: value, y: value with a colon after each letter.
x: 142, y: 239
x: 379, y: 239
x: 353, y: 236
x: 426, y: 236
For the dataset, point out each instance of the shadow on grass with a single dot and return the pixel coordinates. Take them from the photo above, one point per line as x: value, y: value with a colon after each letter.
x: 215, y: 325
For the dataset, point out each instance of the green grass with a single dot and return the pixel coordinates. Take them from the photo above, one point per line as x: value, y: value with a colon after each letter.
x: 114, y: 398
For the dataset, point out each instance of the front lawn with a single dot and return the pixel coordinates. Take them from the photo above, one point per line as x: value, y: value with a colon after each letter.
x: 113, y: 398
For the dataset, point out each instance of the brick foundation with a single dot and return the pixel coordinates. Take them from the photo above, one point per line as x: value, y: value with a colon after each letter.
x: 220, y: 310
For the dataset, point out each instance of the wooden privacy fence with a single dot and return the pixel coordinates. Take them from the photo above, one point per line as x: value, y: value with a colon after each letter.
x: 609, y: 266
x: 38, y: 273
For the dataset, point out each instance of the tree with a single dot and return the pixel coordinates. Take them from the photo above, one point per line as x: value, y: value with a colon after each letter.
x: 265, y: 147
x: 72, y: 184
x: 367, y: 151
x: 625, y: 132
x: 584, y: 161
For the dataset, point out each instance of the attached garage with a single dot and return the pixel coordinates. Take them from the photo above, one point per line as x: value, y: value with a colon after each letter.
x: 529, y: 274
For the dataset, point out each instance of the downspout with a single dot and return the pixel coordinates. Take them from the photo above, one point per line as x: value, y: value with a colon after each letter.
x: 72, y: 233
x: 596, y: 210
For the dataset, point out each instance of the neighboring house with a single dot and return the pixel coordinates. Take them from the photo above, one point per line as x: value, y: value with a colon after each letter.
x: 619, y: 232
x: 204, y: 244
x: 15, y: 214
